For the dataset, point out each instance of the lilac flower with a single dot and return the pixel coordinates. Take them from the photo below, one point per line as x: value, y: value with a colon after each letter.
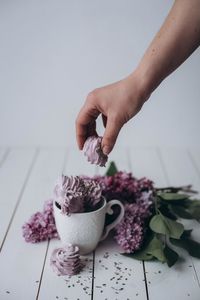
x: 123, y: 186
x: 130, y: 232
x: 136, y: 194
x: 41, y: 226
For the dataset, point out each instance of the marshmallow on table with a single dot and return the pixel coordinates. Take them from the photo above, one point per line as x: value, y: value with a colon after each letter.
x: 66, y: 260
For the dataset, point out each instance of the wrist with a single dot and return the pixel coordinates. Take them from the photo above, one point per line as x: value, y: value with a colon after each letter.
x: 139, y: 85
x: 151, y: 75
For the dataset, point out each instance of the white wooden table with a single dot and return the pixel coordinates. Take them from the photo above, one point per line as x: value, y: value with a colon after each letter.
x: 27, y: 177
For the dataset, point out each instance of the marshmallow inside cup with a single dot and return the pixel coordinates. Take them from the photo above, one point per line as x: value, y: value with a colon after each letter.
x: 75, y: 194
x: 93, y: 152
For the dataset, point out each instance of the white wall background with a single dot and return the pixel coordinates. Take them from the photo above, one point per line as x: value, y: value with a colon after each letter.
x: 53, y: 52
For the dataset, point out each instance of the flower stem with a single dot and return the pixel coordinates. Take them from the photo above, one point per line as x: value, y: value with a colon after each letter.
x: 156, y: 205
x: 171, y: 189
x: 165, y: 239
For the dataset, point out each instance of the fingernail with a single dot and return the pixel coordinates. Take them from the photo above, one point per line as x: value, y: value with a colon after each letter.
x: 106, y: 150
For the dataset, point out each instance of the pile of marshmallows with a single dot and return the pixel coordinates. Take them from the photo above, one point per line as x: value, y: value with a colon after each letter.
x: 66, y: 260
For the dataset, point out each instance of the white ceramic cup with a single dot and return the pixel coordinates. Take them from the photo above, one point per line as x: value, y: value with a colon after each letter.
x: 86, y: 229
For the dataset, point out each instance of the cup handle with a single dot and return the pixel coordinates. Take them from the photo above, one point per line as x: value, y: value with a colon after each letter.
x: 110, y: 212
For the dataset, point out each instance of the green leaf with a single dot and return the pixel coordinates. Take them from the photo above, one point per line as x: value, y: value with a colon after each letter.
x: 191, y: 246
x: 189, y: 209
x: 194, y: 208
x: 155, y: 248
x: 194, y: 202
x: 195, y: 212
x: 186, y: 233
x: 164, y: 225
x: 181, y: 212
x: 167, y: 212
x: 172, y: 196
x: 171, y: 256
x: 139, y: 255
x: 112, y: 169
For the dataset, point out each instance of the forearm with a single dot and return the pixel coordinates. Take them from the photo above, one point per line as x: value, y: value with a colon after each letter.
x: 178, y: 37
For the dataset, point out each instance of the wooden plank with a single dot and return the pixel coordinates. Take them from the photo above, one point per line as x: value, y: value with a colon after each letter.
x: 159, y: 276
x: 3, y: 155
x: 116, y: 276
x: 20, y: 262
x: 13, y: 175
x: 69, y: 287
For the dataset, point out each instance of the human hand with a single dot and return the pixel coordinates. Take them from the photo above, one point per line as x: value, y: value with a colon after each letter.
x: 117, y: 103
x: 177, y: 38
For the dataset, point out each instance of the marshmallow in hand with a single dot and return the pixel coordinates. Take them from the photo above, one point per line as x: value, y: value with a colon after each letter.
x: 93, y: 152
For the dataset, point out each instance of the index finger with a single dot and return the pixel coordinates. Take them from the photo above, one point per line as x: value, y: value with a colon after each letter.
x: 85, y: 124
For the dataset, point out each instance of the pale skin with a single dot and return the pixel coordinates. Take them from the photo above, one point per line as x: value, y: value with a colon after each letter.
x: 119, y: 102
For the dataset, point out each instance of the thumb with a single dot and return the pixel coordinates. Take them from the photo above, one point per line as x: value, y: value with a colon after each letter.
x: 113, y: 127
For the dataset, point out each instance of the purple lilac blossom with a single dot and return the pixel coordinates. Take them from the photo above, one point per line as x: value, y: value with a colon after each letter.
x: 123, y: 186
x: 130, y: 232
x: 136, y: 194
x: 41, y: 226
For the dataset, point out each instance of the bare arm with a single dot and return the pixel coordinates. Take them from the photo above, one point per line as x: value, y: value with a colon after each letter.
x: 178, y: 37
